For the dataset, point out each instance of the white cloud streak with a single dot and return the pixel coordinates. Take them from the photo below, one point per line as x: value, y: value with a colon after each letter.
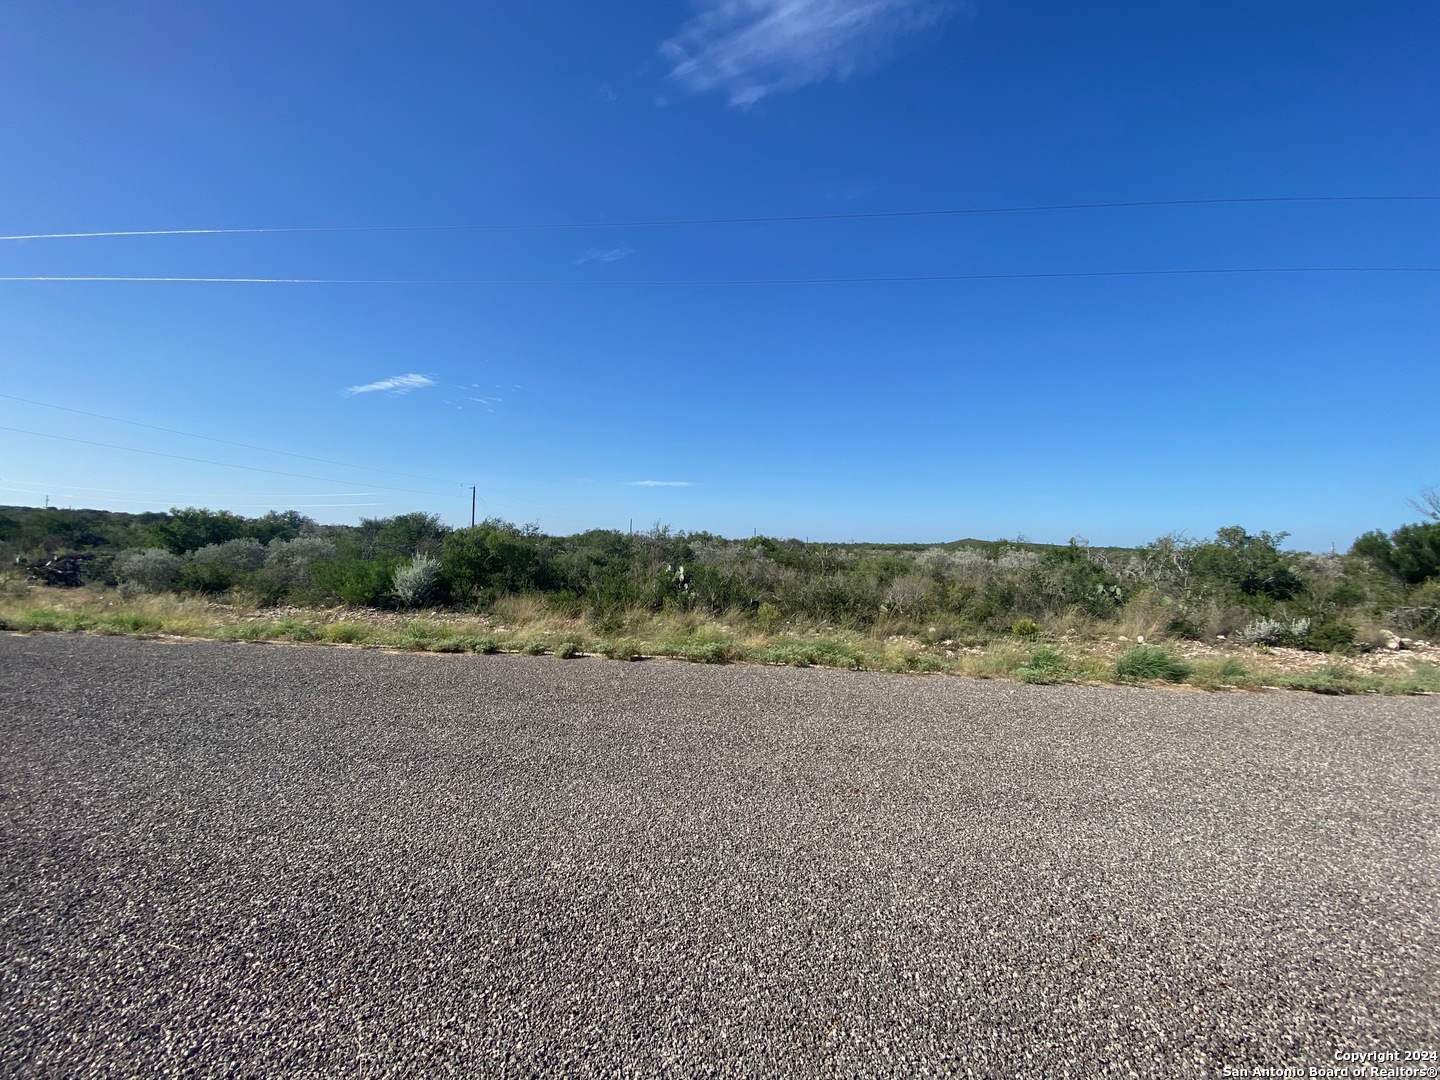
x: 748, y: 49
x: 599, y: 255
x: 396, y: 384
x: 659, y: 483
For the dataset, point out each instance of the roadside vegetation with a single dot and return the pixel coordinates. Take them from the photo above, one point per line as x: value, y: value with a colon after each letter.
x: 1233, y: 610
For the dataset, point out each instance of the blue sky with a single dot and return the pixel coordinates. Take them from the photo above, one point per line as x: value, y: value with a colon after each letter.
x: 1117, y: 409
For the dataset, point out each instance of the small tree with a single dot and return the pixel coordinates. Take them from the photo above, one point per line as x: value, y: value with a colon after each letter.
x: 191, y: 528
x: 1254, y: 566
x: 1411, y: 552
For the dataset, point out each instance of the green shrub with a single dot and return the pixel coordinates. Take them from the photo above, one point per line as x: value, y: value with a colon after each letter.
x: 246, y: 631
x: 619, y: 649
x: 149, y: 569
x: 1420, y: 612
x: 1045, y: 665
x: 209, y: 578
x: 1233, y: 672
x: 494, y: 555
x: 347, y: 633
x: 193, y: 528
x: 705, y: 652
x: 466, y: 643
x: 821, y: 653
x: 1028, y: 629
x: 288, y: 569
x: 1265, y: 631
x: 1422, y: 679
x: 1186, y: 624
x: 1252, y: 566
x: 606, y: 620
x: 296, y: 630
x: 402, y: 536
x: 241, y: 554
x: 129, y: 622
x: 1331, y: 679
x: 1411, y: 552
x: 1150, y: 662
x: 767, y: 615
x: 567, y: 649
x: 565, y: 603
x: 414, y: 582
x: 1331, y: 636
x: 363, y: 582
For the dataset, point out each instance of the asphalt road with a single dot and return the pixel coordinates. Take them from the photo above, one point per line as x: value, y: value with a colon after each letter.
x: 246, y: 860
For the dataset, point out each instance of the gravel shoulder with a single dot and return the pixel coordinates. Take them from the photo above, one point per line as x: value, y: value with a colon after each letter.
x: 246, y: 860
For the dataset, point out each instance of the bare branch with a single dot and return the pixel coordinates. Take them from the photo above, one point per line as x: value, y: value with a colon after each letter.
x: 1428, y: 503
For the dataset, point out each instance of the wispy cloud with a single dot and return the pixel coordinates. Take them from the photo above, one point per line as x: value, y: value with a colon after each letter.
x: 659, y: 483
x: 747, y: 49
x: 396, y: 384
x: 605, y: 256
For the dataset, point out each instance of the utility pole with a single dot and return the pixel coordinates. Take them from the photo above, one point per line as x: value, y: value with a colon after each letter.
x: 472, y: 506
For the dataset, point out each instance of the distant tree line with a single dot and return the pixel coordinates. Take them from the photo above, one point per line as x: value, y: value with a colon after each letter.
x: 1236, y: 584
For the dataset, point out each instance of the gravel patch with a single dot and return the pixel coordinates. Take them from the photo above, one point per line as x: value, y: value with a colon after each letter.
x: 244, y: 860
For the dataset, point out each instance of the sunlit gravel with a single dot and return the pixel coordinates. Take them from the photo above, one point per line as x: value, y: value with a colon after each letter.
x: 249, y: 860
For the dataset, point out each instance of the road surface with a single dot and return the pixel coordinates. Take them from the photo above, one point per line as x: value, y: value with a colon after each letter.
x: 258, y: 860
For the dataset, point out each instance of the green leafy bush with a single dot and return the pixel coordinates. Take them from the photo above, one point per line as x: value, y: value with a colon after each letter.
x: 1330, y: 636
x: 289, y: 566
x: 1411, y: 552
x: 1251, y: 566
x: 1028, y: 629
x: 494, y: 556
x: 208, y: 577
x: 193, y: 528
x: 365, y: 582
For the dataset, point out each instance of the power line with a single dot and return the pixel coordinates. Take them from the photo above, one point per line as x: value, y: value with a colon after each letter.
x: 267, y: 450
x: 39, y: 485
x: 223, y: 464
x: 227, y: 442
x: 701, y: 283
x: 228, y: 502
x: 775, y: 219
